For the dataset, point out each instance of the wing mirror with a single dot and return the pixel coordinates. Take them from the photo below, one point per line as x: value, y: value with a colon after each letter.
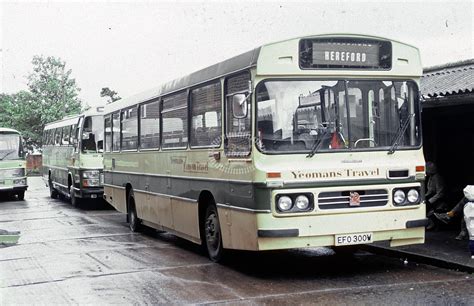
x: 239, y: 105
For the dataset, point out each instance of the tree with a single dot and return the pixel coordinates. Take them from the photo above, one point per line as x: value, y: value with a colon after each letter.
x: 6, y: 104
x: 52, y: 94
x: 112, y: 94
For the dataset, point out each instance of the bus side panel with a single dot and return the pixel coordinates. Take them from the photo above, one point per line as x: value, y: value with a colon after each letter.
x: 186, y: 217
x: 162, y: 207
x: 141, y: 205
x: 154, y: 208
x: 239, y: 229
x: 120, y: 199
x: 115, y: 196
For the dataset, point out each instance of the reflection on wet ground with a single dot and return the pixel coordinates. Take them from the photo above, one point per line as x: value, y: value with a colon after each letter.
x: 88, y: 255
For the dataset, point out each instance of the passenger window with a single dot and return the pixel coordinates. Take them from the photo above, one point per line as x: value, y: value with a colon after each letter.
x: 238, y: 130
x: 206, y: 116
x: 57, y: 136
x: 129, y: 129
x: 66, y: 134
x: 108, y: 134
x: 150, y: 125
x: 175, y: 121
x: 72, y: 136
x: 50, y: 137
x: 116, y: 132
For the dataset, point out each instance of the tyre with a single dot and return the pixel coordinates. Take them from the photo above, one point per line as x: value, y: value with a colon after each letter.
x: 134, y: 222
x: 53, y: 193
x: 21, y: 195
x: 213, y: 234
x: 75, y: 201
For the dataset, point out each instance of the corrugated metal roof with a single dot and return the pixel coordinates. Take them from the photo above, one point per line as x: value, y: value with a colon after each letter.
x: 448, y: 79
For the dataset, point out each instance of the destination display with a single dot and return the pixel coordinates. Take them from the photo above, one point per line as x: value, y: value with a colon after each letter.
x: 345, y: 54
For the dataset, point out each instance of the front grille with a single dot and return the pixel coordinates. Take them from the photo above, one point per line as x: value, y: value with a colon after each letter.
x: 9, y: 173
x: 340, y: 199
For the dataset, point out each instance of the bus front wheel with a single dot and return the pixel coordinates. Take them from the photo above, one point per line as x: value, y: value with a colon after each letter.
x: 213, y: 234
x: 53, y: 193
x: 134, y: 222
x: 75, y: 201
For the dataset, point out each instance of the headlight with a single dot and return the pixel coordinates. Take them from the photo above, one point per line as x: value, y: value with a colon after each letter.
x: 19, y: 182
x: 285, y: 203
x: 302, y: 202
x: 413, y: 196
x: 91, y: 174
x: 399, y: 197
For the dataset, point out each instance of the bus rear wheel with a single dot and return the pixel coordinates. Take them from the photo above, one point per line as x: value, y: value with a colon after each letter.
x: 213, y: 234
x: 134, y: 222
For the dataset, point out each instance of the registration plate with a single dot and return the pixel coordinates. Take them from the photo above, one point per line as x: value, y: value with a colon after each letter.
x: 93, y: 196
x: 351, y: 239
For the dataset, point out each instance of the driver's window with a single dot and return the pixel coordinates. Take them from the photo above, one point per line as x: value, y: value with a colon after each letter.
x: 238, y: 128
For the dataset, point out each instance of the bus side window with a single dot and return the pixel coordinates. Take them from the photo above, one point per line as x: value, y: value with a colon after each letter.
x: 175, y: 121
x: 66, y: 135
x: 129, y: 130
x: 57, y: 136
x: 108, y: 133
x: 72, y: 136
x: 116, y: 132
x: 206, y: 116
x: 50, y: 140
x: 237, y: 130
x: 150, y: 125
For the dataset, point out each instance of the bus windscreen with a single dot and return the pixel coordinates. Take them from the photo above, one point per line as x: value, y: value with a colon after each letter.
x: 93, y: 135
x: 9, y: 146
x: 299, y: 116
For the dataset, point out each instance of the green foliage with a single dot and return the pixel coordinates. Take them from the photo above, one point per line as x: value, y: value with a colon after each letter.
x: 6, y: 104
x: 52, y: 95
x: 112, y: 94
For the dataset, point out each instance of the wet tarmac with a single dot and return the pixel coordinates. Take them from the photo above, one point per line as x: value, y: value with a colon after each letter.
x: 67, y: 255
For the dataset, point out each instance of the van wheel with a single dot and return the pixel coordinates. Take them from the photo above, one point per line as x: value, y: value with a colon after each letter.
x: 75, y: 201
x: 21, y: 195
x: 53, y: 193
x: 134, y: 222
x: 213, y: 234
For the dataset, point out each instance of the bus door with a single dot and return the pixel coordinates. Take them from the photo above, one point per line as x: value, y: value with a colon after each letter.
x: 76, y: 142
x: 237, y: 163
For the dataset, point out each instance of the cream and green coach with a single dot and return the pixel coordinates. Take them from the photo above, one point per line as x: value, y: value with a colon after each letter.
x: 72, y: 156
x: 12, y: 164
x: 312, y: 141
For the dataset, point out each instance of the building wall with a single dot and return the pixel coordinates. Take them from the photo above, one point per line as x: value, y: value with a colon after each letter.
x: 33, y: 164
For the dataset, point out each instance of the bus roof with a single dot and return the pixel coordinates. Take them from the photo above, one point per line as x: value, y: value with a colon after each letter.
x: 8, y: 131
x: 234, y: 64
x: 72, y: 119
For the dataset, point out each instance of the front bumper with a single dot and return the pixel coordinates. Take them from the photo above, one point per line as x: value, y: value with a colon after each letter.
x: 89, y: 193
x: 400, y: 227
x: 250, y: 230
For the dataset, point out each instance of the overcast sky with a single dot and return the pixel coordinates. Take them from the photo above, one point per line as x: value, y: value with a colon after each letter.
x: 131, y: 47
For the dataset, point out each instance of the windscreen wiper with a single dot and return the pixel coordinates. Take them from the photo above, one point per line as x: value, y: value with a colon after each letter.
x: 401, y: 131
x: 6, y: 154
x: 317, y: 144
